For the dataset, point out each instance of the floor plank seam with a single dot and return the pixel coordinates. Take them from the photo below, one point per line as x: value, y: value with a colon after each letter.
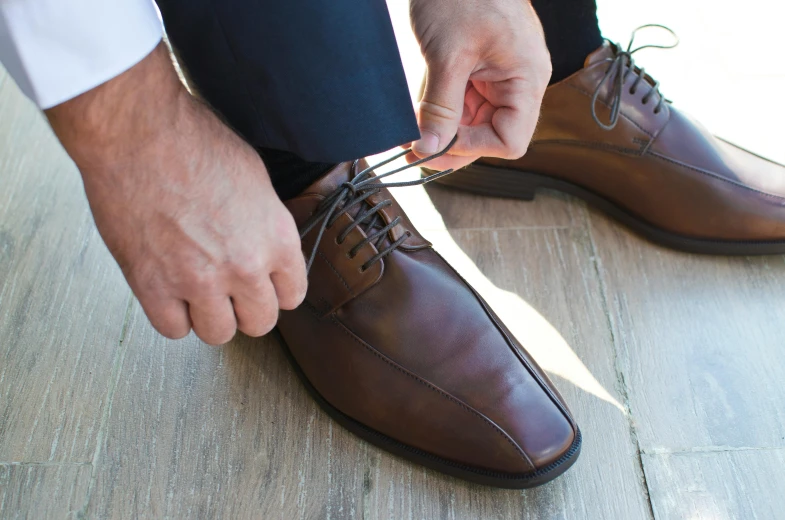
x: 517, y: 228
x: 45, y: 464
x: 620, y: 380
x: 653, y: 452
x: 107, y: 411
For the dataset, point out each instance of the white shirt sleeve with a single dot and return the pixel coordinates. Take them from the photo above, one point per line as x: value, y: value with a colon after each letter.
x: 58, y: 49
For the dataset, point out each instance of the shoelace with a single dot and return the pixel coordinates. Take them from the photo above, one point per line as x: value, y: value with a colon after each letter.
x: 357, y: 190
x: 616, y: 70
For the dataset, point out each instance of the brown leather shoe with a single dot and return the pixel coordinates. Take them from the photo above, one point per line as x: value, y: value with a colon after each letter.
x: 629, y: 152
x: 400, y: 350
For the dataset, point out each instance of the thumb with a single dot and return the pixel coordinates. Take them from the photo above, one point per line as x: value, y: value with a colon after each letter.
x: 441, y: 107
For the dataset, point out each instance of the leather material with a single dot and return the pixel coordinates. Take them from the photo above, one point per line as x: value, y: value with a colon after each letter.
x: 664, y: 168
x: 409, y: 349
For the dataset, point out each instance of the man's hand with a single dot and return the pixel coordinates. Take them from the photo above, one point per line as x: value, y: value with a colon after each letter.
x: 488, y: 68
x: 185, y: 206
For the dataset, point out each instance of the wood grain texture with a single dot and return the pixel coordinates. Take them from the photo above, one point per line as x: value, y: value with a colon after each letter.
x: 744, y: 484
x: 62, y: 298
x: 202, y: 432
x: 543, y: 285
x: 701, y: 342
x: 462, y: 210
x: 39, y: 491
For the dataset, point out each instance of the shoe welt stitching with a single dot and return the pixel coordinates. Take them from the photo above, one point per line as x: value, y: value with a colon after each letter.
x: 716, y: 176
x: 438, y: 390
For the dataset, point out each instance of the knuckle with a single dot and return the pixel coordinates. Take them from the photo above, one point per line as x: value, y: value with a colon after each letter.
x: 437, y: 111
x: 264, y: 323
x: 172, y: 330
x: 544, y: 76
x: 257, y: 286
x: 292, y: 299
x: 216, y: 337
x: 285, y: 227
x: 268, y: 323
x: 202, y: 281
x: 251, y: 269
x: 442, y: 56
x: 517, y: 151
x: 290, y: 249
x: 167, y: 320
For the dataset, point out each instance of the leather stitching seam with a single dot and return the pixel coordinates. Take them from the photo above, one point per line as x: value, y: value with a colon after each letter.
x: 639, y: 127
x: 438, y: 390
x: 511, y: 345
x: 335, y: 271
x: 716, y: 176
x: 589, y: 144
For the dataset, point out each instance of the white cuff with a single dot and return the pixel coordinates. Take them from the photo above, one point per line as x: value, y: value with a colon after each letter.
x: 58, y: 49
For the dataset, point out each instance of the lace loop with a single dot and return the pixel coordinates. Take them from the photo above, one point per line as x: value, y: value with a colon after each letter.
x: 356, y: 191
x: 621, y: 66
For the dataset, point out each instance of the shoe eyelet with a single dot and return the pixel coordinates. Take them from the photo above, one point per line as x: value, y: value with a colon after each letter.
x: 645, y: 101
x: 363, y: 268
x: 350, y: 256
x: 632, y: 92
x: 338, y: 242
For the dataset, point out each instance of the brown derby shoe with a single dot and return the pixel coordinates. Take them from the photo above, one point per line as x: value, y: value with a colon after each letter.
x: 400, y: 350
x: 623, y: 148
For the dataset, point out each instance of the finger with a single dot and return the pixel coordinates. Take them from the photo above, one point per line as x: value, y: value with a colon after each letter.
x: 256, y: 310
x: 441, y: 106
x: 213, y: 319
x: 168, y: 316
x: 503, y: 130
x: 290, y: 280
x: 445, y: 162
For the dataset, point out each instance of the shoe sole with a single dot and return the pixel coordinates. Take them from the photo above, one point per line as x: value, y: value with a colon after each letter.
x: 507, y: 183
x: 455, y: 469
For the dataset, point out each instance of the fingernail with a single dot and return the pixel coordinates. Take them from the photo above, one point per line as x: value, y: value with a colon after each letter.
x: 428, y: 143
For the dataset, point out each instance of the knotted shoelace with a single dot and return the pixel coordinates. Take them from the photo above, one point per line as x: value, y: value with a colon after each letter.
x: 619, y: 69
x: 356, y: 191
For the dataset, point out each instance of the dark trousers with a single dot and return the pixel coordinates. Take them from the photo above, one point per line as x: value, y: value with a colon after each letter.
x: 319, y: 80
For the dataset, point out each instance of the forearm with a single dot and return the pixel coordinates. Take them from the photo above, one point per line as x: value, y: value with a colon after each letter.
x: 119, y: 117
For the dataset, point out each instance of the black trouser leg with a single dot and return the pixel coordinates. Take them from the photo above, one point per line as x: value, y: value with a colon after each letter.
x: 321, y: 80
x: 571, y: 32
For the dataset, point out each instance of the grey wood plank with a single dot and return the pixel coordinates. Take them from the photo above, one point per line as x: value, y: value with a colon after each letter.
x: 543, y: 284
x: 700, y: 339
x: 717, y: 485
x: 202, y: 432
x: 43, y: 491
x: 62, y: 298
x: 462, y: 210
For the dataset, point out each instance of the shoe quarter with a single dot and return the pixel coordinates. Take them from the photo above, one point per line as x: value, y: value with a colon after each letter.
x: 341, y: 275
x: 567, y: 115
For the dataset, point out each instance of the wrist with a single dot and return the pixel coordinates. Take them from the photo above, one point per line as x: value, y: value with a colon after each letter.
x: 122, y: 116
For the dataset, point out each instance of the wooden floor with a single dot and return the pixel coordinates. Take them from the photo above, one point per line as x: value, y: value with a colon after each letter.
x: 673, y: 365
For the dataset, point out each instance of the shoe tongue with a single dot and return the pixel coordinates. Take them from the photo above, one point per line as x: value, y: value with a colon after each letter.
x: 330, y: 181
x: 604, y: 52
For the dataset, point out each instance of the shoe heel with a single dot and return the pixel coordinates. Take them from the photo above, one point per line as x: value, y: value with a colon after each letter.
x: 490, y: 180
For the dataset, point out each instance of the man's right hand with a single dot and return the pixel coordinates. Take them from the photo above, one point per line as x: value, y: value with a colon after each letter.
x: 185, y: 206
